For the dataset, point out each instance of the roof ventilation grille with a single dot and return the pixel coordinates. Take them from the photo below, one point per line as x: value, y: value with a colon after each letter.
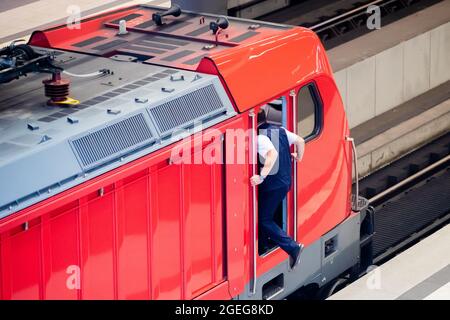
x: 183, y: 112
x: 113, y: 141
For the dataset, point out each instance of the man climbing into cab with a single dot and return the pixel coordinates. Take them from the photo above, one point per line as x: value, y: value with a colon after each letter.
x: 274, y: 144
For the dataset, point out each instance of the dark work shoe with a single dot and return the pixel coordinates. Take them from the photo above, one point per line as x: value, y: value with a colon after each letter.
x: 295, y: 259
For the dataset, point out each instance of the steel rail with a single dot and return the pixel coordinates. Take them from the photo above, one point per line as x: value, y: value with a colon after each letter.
x: 409, y: 179
x: 347, y: 14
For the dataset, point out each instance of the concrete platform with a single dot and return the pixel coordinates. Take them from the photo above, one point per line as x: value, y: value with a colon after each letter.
x: 420, y: 273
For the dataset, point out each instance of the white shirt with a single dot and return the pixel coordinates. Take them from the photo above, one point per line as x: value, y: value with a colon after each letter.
x: 264, y: 143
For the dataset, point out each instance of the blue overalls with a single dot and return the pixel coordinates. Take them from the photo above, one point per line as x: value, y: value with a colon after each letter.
x: 274, y: 189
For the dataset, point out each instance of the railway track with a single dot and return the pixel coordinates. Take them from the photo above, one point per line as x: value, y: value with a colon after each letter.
x: 341, y: 21
x: 411, y: 198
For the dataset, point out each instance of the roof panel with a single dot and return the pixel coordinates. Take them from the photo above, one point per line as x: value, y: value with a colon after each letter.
x: 162, y: 45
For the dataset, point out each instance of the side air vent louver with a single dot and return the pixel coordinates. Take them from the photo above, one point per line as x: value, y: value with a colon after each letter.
x: 112, y: 141
x: 182, y: 112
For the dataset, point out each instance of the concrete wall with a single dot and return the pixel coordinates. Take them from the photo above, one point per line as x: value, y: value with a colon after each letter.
x: 387, y: 79
x: 409, y: 135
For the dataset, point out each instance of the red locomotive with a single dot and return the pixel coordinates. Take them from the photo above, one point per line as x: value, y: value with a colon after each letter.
x: 92, y: 205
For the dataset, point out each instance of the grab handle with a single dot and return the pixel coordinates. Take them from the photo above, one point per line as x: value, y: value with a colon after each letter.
x: 294, y: 129
x: 254, y: 201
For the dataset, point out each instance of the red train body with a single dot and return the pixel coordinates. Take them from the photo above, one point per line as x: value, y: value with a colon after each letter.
x: 151, y: 229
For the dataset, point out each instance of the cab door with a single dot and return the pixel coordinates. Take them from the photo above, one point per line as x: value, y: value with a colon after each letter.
x: 279, y: 116
x: 264, y: 260
x: 306, y: 123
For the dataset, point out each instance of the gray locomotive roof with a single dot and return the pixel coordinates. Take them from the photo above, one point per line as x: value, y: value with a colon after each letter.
x: 122, y: 116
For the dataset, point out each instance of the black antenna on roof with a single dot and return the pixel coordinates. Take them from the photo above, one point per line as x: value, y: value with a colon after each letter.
x: 174, y: 10
x: 220, y: 24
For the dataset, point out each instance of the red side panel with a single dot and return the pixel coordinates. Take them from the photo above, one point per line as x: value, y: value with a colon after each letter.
x: 133, y: 225
x: 166, y: 233
x: 97, y: 239
x: 148, y: 230
x: 25, y: 264
x: 61, y: 230
x: 203, y: 225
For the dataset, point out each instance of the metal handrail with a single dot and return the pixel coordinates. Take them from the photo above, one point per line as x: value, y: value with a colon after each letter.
x: 294, y: 130
x: 255, y: 208
x: 355, y: 163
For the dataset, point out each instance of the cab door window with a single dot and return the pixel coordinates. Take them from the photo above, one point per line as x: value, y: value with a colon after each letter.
x: 309, y: 112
